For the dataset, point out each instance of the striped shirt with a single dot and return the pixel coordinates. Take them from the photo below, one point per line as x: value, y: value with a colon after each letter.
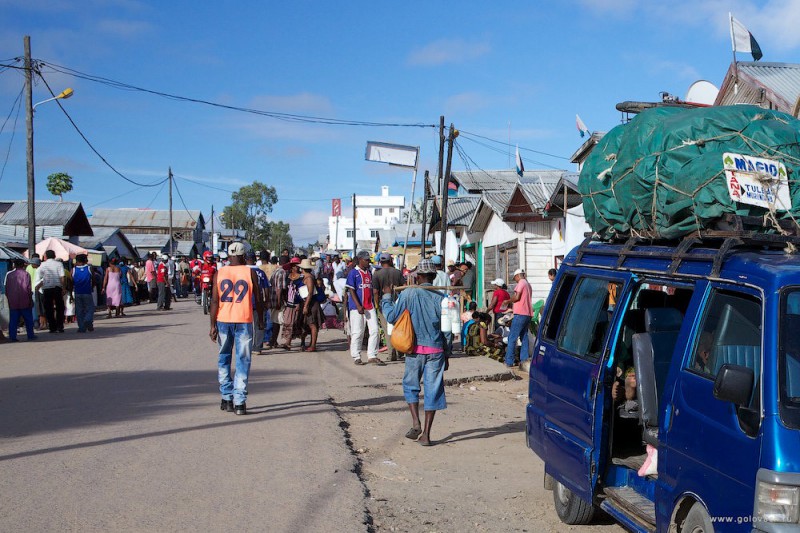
x: 51, y: 273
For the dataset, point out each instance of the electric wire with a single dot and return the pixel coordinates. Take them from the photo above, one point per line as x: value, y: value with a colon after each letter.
x: 103, y: 159
x: 509, y: 145
x: 288, y: 117
x: 175, y: 182
x: 18, y: 104
x: 232, y: 191
x: 503, y: 152
x: 115, y: 197
x: 163, y: 184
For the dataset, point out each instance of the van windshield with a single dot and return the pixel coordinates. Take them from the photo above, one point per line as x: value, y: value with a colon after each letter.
x: 789, y: 359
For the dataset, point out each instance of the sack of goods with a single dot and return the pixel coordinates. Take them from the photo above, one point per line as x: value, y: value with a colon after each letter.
x: 674, y: 171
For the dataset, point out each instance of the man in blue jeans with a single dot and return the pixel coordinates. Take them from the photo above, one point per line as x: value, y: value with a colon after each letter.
x: 523, y: 311
x: 232, y: 313
x: 426, y: 364
x: 84, y: 285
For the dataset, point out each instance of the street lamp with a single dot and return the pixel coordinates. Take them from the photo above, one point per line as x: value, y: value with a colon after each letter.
x: 66, y: 93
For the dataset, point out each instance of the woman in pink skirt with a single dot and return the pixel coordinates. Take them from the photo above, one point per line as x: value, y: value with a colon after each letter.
x: 113, y: 289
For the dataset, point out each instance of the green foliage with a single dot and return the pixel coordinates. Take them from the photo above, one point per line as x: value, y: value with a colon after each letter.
x: 59, y: 184
x: 249, y: 210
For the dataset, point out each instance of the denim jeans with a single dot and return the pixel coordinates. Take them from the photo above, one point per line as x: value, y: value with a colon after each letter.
x: 84, y: 311
x: 428, y: 371
x: 519, y: 328
x: 239, y: 337
x: 13, y: 322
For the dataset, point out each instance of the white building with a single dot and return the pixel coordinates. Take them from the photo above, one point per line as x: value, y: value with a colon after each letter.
x: 373, y: 214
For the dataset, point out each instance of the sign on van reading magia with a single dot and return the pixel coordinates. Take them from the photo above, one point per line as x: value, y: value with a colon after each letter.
x: 757, y: 181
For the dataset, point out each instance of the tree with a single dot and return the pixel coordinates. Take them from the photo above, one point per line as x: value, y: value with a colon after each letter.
x: 59, y: 184
x: 249, y: 210
x: 415, y: 211
x: 278, y: 236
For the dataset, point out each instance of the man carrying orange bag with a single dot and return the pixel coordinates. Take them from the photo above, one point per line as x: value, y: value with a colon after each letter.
x: 426, y: 363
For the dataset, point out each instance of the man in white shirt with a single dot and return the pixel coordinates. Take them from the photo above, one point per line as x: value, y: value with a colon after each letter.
x: 51, y: 277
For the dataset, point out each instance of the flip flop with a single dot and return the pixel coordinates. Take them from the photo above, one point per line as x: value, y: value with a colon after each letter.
x: 413, y: 433
x: 358, y: 362
x: 428, y: 443
x: 376, y: 361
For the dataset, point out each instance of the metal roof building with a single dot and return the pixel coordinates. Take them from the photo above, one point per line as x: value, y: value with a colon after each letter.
x: 147, y: 218
x: 769, y: 85
x: 480, y: 181
x: 55, y: 219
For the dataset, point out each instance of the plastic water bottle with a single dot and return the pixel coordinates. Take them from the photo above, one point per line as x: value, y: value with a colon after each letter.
x: 455, y: 317
x: 446, y: 321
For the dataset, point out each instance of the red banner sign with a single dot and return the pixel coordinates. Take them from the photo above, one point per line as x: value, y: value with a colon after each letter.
x: 336, y: 210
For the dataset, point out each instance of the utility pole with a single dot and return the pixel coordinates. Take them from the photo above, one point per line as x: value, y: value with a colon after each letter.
x: 424, y: 212
x: 212, y: 228
x: 441, y: 156
x: 29, y: 150
x: 355, y: 242
x: 446, y: 188
x: 171, y: 246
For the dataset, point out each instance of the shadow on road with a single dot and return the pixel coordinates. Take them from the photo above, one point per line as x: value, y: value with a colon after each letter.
x: 254, y: 416
x: 485, y: 433
x: 54, y: 402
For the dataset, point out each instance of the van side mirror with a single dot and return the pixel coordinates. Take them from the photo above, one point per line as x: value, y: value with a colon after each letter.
x: 734, y: 384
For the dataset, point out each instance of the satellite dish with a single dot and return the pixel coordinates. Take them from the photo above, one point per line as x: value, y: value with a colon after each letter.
x: 702, y: 92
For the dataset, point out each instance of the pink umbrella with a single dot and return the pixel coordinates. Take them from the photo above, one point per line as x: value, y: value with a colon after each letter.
x: 64, y: 250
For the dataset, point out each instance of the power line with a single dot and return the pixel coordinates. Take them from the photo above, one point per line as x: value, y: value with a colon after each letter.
x: 18, y: 104
x: 103, y: 159
x: 115, y: 197
x: 508, y: 145
x: 163, y: 184
x: 289, y: 117
x: 182, y: 202
x: 503, y: 152
x: 232, y: 191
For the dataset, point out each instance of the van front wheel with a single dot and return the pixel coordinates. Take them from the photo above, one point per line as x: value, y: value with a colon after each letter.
x: 570, y: 508
x: 697, y: 521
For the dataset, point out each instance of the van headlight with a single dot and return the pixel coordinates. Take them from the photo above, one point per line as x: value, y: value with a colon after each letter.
x: 777, y: 503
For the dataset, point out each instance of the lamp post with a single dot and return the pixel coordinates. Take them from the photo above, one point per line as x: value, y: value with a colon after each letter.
x: 66, y: 93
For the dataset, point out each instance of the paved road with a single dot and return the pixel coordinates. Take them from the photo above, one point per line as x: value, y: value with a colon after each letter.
x: 120, y: 430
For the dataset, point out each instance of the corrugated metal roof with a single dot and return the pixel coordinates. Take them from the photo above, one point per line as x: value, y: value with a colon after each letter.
x: 460, y: 209
x: 148, y: 240
x: 782, y: 78
x: 497, y: 201
x: 145, y: 218
x: 47, y: 213
x: 184, y: 247
x: 478, y: 181
x: 538, y: 190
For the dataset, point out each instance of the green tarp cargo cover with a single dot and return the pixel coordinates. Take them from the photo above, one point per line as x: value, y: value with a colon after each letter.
x: 672, y: 171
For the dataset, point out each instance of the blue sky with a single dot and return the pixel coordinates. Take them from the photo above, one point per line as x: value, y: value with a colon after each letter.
x: 483, y: 65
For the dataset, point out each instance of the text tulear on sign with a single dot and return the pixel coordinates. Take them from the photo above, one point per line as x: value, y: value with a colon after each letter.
x: 757, y: 181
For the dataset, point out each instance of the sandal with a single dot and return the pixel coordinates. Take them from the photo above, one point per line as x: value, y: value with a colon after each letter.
x: 413, y: 433
x: 285, y: 347
x: 376, y: 361
x: 309, y: 349
x: 358, y: 362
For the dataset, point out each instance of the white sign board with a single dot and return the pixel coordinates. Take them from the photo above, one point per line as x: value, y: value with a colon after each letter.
x: 757, y: 181
x: 394, y: 154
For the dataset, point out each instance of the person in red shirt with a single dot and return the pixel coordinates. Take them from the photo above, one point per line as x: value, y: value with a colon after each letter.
x: 499, y: 296
x: 162, y: 280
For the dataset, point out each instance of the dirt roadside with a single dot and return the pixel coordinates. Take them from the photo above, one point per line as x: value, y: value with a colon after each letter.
x: 479, y: 476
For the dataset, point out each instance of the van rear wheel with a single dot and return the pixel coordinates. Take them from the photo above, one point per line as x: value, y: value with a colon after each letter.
x: 697, y: 521
x: 570, y: 508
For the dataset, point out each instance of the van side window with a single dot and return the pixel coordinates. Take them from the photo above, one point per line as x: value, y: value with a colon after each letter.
x: 588, y: 316
x: 559, y: 304
x: 731, y: 333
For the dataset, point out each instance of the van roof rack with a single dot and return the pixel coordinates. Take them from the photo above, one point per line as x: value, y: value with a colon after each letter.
x: 720, y: 242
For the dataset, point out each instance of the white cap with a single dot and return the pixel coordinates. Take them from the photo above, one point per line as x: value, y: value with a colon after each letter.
x: 499, y: 282
x: 518, y: 271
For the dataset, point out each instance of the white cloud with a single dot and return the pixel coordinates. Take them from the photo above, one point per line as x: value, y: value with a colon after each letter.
x: 308, y: 226
x: 123, y: 28
x: 446, y: 51
x: 466, y: 101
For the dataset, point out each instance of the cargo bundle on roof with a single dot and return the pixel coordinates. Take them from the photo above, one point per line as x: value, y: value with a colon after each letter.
x: 671, y: 172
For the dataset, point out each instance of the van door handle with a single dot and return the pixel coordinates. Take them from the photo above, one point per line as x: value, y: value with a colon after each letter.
x: 668, y: 418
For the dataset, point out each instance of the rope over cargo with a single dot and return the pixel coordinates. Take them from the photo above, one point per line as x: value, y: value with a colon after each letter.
x: 671, y: 172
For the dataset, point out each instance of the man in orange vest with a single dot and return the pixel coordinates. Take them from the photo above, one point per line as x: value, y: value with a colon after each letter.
x: 234, y: 289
